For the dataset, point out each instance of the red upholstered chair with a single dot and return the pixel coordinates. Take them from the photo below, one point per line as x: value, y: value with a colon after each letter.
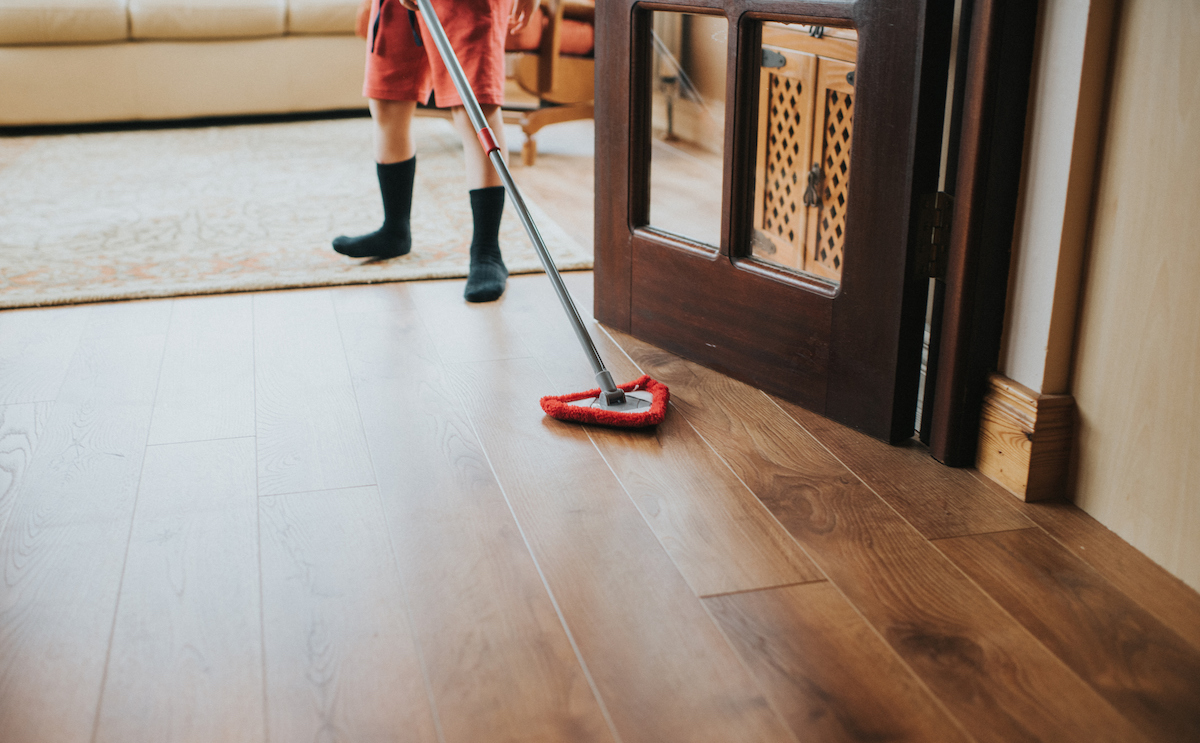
x: 556, y: 64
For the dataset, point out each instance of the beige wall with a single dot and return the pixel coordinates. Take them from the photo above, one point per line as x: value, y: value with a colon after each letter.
x: 1137, y: 362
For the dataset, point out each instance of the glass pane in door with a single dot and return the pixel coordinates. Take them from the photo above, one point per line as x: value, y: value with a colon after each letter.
x: 805, y: 132
x: 688, y: 124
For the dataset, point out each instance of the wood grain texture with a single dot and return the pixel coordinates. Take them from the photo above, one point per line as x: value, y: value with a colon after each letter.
x: 995, y: 678
x: 939, y: 501
x: 20, y: 428
x: 309, y: 433
x: 463, y: 331
x: 206, y: 390
x: 63, y: 547
x: 1025, y: 439
x: 1169, y: 599
x: 341, y: 663
x: 500, y: 664
x: 664, y: 671
x: 139, y: 317
x: 1140, y: 666
x: 186, y: 657
x: 718, y: 534
x: 827, y: 672
x: 37, y: 350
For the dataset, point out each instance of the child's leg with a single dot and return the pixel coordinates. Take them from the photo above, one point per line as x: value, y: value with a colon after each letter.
x: 395, y: 165
x: 393, y: 130
x: 488, y: 272
x: 480, y: 173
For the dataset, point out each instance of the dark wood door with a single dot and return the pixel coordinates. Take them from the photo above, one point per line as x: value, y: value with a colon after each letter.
x: 849, y: 349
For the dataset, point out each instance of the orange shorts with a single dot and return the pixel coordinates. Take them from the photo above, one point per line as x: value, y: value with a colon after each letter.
x: 398, y: 69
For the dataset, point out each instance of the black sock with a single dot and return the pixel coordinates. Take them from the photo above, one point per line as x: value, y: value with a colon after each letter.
x: 393, y: 238
x: 488, y: 273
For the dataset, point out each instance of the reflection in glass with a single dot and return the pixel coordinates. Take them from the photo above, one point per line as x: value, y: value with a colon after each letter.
x: 688, y: 124
x: 805, y: 128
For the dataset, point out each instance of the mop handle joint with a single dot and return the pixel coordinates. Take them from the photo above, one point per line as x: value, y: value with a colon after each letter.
x: 488, y: 140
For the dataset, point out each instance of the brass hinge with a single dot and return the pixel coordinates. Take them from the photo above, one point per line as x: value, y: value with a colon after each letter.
x: 933, y: 236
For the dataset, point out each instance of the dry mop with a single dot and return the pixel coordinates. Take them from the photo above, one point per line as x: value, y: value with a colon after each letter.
x: 642, y: 402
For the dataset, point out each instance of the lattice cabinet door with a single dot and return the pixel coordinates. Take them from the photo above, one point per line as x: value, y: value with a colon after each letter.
x: 826, y: 218
x: 784, y: 152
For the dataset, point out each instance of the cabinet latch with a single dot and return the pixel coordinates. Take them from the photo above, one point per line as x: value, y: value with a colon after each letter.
x: 772, y: 58
x: 933, y: 236
x: 812, y: 194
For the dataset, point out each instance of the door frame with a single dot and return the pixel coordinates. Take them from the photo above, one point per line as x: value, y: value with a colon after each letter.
x: 658, y: 287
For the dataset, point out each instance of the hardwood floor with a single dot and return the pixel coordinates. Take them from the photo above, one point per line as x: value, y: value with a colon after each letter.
x: 339, y: 515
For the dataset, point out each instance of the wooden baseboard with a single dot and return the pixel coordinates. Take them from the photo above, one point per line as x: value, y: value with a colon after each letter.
x: 1025, y: 439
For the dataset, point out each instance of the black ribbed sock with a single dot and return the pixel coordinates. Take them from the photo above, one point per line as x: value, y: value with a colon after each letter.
x: 485, y: 283
x: 393, y: 238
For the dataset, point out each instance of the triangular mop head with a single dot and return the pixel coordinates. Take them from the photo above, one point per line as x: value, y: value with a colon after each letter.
x: 559, y: 406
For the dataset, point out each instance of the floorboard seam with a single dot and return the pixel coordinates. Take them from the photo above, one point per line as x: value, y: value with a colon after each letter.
x: 982, y: 533
x: 412, y: 626
x: 759, y: 589
x: 541, y: 574
x: 132, y: 519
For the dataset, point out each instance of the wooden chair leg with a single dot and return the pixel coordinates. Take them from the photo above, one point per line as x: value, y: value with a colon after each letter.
x: 529, y: 151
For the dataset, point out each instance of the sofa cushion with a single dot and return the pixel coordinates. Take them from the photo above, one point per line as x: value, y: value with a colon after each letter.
x: 321, y: 16
x: 62, y: 21
x: 206, y: 19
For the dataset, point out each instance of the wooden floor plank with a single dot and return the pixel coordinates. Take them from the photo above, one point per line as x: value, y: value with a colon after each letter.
x: 465, y: 331
x: 64, y: 545
x: 207, y: 386
x: 663, y: 669
x: 37, y: 350
x: 341, y: 660
x: 309, y: 433
x: 500, y: 664
x: 939, y: 501
x: 139, y: 317
x: 20, y: 428
x: 716, y: 531
x: 825, y: 669
x: 1169, y: 599
x: 719, y: 535
x: 1140, y: 666
x: 186, y: 657
x: 562, y: 182
x: 997, y: 680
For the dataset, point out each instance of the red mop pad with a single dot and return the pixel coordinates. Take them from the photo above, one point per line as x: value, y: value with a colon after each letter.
x: 559, y: 406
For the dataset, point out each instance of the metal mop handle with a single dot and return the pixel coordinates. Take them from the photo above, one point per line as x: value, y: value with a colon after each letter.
x: 612, y: 394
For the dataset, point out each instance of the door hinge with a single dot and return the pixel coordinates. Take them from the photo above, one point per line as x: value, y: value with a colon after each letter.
x: 933, y: 236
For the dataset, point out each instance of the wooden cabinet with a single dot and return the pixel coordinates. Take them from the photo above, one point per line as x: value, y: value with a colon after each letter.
x: 805, y: 128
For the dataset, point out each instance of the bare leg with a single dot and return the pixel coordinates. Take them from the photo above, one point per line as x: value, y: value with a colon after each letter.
x: 488, y: 272
x: 480, y: 173
x: 393, y: 130
x: 395, y: 166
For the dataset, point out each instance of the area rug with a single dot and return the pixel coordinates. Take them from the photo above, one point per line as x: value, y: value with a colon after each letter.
x: 121, y: 215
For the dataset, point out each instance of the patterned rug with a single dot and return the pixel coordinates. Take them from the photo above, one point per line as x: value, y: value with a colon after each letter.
x: 102, y: 216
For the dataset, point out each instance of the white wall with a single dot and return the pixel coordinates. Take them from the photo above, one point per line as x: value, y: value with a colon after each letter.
x: 1063, y: 123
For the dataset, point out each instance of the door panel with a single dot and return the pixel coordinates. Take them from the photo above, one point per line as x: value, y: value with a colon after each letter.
x: 840, y: 331
x: 784, y: 157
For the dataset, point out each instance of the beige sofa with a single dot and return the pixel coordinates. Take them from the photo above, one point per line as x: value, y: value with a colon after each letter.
x: 77, y: 61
